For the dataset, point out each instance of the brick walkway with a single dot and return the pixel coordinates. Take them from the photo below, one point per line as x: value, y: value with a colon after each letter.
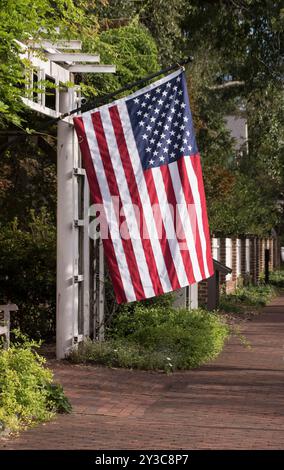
x: 235, y: 402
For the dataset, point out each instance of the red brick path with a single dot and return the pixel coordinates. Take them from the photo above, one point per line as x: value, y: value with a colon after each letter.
x: 235, y: 402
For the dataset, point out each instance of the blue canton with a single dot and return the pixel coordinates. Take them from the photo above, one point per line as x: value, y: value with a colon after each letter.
x: 162, y: 123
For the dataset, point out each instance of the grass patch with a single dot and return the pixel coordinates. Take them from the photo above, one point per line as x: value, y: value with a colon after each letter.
x: 158, y: 338
x: 27, y: 392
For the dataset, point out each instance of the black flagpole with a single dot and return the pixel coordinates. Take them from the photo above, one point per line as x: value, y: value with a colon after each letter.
x: 100, y: 100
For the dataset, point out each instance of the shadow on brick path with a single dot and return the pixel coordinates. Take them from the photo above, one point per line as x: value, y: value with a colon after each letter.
x: 234, y: 402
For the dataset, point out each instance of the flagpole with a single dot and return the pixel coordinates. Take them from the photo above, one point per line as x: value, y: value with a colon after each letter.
x: 106, y: 97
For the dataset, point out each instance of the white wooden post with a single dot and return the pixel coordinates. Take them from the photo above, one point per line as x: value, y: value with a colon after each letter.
x: 247, y: 256
x: 216, y: 248
x: 66, y: 288
x: 239, y: 247
x: 73, y: 245
x: 229, y: 257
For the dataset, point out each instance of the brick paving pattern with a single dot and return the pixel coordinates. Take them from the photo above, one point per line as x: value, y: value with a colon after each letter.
x: 235, y: 402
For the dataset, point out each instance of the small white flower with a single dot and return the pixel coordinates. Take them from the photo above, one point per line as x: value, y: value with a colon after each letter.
x: 168, y: 358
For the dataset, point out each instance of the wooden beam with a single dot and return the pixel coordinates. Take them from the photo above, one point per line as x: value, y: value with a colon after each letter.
x: 40, y: 109
x: 72, y: 45
x: 62, y: 57
x: 99, y: 68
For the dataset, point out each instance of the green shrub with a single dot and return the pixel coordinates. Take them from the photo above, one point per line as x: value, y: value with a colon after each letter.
x: 276, y: 278
x: 249, y: 296
x: 158, y: 338
x: 26, y: 393
x: 28, y: 274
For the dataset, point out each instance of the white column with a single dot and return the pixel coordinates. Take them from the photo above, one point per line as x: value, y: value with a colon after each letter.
x: 216, y: 248
x: 247, y: 255
x: 193, y: 296
x: 67, y: 237
x: 229, y: 257
x: 239, y: 247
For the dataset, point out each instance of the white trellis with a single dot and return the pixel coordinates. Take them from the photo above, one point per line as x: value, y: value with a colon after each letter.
x: 75, y: 305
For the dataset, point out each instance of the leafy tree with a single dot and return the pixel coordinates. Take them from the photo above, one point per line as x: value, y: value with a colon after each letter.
x: 26, y: 20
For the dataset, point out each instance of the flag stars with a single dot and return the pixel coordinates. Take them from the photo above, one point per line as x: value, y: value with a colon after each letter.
x: 164, y: 126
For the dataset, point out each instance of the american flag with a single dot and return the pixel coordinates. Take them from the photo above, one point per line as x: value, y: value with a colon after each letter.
x: 144, y: 169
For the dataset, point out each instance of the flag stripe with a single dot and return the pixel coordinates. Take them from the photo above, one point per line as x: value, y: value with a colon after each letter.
x: 169, y: 226
x: 200, y: 194
x: 110, y: 252
x: 135, y: 198
x: 160, y: 247
x: 170, y: 182
x: 199, y: 205
x: 112, y: 183
x: 127, y: 203
x: 160, y: 225
x: 181, y: 237
x: 194, y: 232
x: 110, y: 210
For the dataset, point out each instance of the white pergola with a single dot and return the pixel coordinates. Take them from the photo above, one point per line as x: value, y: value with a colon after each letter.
x: 80, y: 293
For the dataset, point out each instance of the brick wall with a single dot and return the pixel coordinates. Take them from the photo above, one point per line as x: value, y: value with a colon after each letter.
x: 202, y: 293
x: 249, y: 269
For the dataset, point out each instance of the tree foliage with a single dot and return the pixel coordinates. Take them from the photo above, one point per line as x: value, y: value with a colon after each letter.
x: 26, y: 20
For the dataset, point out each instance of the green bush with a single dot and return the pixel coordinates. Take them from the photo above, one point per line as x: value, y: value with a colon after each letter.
x: 276, y: 278
x: 28, y: 274
x: 158, y: 338
x: 249, y: 296
x: 27, y: 392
